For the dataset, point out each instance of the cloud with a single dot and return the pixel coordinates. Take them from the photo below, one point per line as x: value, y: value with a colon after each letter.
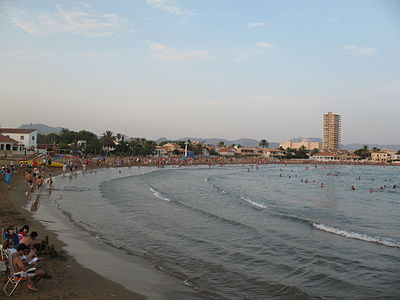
x: 167, y: 53
x: 265, y: 45
x: 82, y: 21
x: 170, y: 7
x: 257, y: 24
x: 359, y: 51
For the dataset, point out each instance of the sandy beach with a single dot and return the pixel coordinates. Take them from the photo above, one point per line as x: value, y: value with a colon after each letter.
x: 69, y: 280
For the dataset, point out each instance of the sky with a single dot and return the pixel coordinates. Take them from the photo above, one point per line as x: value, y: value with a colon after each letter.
x: 263, y: 69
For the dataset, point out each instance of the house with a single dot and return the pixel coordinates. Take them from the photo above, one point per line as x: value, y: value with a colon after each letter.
x: 26, y: 137
x: 350, y: 156
x: 227, y: 151
x: 344, y: 155
x: 168, y: 149
x: 10, y: 146
x: 48, y: 148
x: 250, y: 151
x: 384, y: 156
x: 324, y: 156
x: 379, y: 156
x: 274, y: 153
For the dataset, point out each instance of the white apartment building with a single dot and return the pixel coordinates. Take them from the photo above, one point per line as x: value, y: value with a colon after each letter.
x: 26, y: 137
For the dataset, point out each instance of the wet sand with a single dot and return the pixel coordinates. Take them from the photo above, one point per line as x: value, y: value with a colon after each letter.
x: 69, y: 280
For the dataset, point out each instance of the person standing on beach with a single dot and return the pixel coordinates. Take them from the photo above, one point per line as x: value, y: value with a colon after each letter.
x: 39, y: 183
x: 29, y: 182
x: 50, y: 182
x: 7, y: 179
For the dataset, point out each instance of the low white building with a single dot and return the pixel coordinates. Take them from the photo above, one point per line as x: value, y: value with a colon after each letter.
x: 9, y: 145
x: 324, y: 156
x: 26, y: 137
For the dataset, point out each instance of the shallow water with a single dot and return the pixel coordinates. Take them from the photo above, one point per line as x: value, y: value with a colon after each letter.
x: 259, y: 234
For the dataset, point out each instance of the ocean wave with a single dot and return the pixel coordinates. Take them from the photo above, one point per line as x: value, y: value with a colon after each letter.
x: 215, y: 186
x: 159, y: 195
x: 253, y: 203
x: 357, y: 236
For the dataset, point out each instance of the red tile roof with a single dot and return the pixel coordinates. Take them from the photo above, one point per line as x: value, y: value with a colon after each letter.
x: 16, y: 130
x: 7, y: 140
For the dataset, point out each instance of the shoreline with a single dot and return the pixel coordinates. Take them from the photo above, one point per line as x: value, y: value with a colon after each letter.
x: 70, y: 280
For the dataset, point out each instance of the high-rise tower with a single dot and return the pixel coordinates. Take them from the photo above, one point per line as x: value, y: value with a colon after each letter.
x: 331, y: 136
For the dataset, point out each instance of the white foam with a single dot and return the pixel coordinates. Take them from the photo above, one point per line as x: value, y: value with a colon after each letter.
x: 253, y: 203
x: 159, y: 195
x: 357, y: 236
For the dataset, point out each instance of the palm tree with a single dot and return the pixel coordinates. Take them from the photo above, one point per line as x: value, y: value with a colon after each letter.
x: 108, y: 140
x: 264, y: 143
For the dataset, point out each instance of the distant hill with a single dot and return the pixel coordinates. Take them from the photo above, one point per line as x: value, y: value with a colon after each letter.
x: 370, y: 146
x: 42, y: 128
x: 245, y: 142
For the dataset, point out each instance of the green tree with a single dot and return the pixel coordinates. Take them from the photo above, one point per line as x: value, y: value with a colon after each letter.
x: 363, y: 152
x: 264, y: 143
x: 221, y: 144
x: 108, y: 140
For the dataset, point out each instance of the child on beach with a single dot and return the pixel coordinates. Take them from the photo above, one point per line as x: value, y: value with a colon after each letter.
x: 50, y: 182
x: 7, y: 179
x: 11, y: 237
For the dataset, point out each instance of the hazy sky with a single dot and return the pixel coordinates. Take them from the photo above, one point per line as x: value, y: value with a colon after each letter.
x: 206, y: 68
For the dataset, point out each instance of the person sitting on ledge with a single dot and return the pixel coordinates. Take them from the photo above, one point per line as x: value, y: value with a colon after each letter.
x: 35, y: 274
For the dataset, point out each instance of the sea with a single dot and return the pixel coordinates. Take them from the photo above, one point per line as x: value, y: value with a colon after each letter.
x: 234, y: 232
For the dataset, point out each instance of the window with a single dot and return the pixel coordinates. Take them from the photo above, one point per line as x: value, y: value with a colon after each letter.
x: 33, y: 137
x: 21, y: 137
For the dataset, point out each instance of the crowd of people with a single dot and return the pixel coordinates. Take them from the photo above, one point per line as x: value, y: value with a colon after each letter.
x: 21, y: 248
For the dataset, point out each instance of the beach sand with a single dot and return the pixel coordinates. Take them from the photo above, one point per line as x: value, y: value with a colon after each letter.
x: 69, y: 280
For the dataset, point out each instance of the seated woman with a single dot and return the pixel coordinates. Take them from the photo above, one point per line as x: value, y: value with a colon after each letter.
x: 23, y: 232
